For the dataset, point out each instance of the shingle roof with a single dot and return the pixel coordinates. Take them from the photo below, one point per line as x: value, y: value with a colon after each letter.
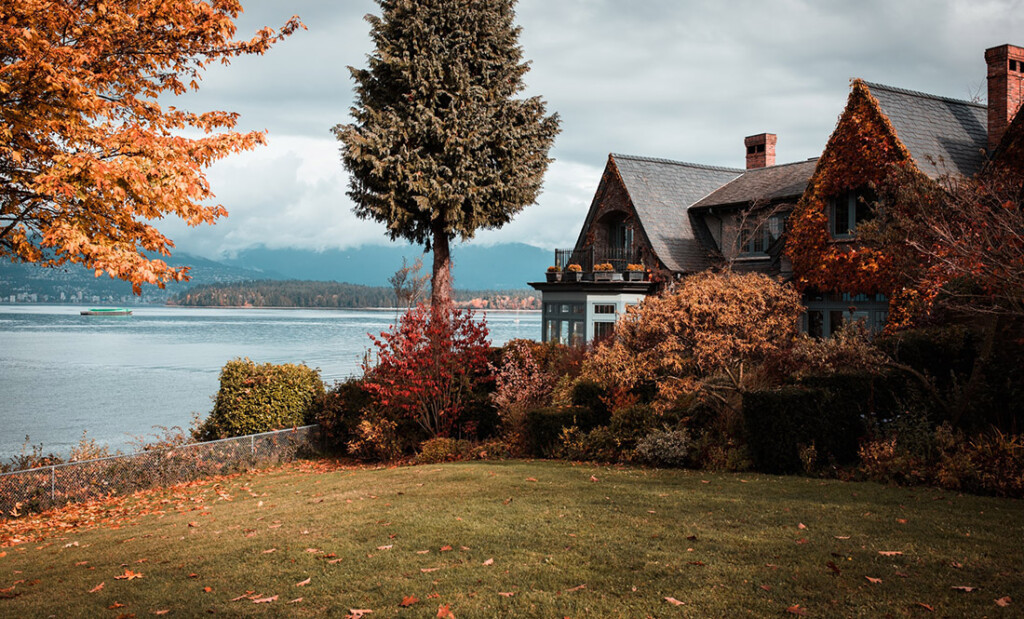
x: 778, y: 182
x: 661, y: 191
x: 944, y: 136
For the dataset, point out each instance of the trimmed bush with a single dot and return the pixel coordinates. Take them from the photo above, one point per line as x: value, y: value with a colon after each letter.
x: 257, y: 398
x: 830, y: 416
x: 443, y: 449
x: 544, y: 427
x: 338, y: 412
x: 665, y: 448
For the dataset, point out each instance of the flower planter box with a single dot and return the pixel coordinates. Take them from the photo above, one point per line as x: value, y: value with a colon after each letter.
x: 634, y: 276
x: 552, y: 277
x: 572, y: 276
x: 607, y: 276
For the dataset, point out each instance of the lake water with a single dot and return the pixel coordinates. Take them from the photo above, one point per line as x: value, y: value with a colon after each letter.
x: 118, y: 377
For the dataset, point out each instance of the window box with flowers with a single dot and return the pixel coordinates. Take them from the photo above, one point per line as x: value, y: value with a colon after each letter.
x: 634, y: 273
x: 605, y: 272
x: 553, y: 273
x: 573, y: 273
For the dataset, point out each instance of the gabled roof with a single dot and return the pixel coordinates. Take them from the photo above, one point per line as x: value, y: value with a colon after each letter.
x: 944, y: 136
x: 770, y: 184
x: 661, y: 191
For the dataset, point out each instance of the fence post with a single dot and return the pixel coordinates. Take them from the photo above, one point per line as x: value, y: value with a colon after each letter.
x: 53, y: 483
x: 252, y: 444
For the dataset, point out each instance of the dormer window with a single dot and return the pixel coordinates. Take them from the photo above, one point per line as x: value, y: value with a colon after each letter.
x: 847, y: 211
x: 756, y: 237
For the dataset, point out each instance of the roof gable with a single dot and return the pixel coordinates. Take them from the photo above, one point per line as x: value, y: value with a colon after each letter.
x: 661, y: 191
x: 768, y: 184
x: 943, y: 136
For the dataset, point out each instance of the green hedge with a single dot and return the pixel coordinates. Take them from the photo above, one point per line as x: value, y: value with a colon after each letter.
x: 829, y: 412
x: 544, y: 426
x: 257, y: 398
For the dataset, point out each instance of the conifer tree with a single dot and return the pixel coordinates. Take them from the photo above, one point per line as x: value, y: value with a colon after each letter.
x: 441, y: 146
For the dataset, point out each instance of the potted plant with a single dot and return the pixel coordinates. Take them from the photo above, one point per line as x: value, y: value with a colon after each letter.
x: 604, y: 272
x: 553, y: 272
x: 573, y: 273
x: 634, y: 272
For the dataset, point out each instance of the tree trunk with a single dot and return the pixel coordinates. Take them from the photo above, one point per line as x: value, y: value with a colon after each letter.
x: 441, y: 276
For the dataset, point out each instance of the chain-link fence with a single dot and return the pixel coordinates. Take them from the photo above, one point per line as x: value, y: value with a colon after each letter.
x: 49, y: 486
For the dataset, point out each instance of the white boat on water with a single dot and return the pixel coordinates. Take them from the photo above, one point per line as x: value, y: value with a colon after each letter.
x: 107, y: 311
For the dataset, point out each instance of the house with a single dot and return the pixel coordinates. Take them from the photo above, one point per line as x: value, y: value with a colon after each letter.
x: 796, y: 221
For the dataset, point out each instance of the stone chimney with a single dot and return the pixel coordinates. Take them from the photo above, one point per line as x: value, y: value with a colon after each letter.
x: 1005, y: 89
x: 760, y: 150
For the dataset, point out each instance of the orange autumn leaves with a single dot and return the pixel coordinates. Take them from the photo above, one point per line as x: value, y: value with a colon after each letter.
x: 88, y: 156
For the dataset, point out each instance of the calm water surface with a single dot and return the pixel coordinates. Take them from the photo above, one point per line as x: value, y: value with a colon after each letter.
x: 118, y: 377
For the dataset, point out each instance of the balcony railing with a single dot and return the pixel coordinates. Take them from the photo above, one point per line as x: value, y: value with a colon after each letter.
x: 589, y: 256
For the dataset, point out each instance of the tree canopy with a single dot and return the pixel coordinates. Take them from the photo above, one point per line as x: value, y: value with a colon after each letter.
x: 441, y: 146
x: 89, y: 156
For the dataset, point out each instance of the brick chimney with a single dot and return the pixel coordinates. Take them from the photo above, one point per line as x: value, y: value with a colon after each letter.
x: 1005, y: 89
x: 760, y: 150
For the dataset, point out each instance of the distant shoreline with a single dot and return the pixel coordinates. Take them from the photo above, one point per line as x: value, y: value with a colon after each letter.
x: 266, y: 307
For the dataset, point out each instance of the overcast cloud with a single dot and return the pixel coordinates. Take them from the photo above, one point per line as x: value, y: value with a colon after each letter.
x: 660, y: 78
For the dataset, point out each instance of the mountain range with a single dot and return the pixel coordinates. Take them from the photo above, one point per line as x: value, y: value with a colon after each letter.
x: 497, y: 267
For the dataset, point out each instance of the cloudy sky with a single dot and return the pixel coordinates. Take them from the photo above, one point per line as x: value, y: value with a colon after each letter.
x: 675, y: 79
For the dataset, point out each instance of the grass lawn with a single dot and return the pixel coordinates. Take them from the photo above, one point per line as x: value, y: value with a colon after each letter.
x: 526, y: 539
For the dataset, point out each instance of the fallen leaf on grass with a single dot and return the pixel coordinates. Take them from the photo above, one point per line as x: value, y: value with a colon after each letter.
x: 248, y: 595
x: 429, y: 569
x: 964, y: 589
x: 116, y: 605
x: 1003, y: 601
x: 507, y: 594
x: 697, y: 563
x: 873, y: 581
x: 841, y: 536
x: 193, y: 575
x: 162, y: 612
x: 576, y: 588
x: 890, y: 553
x: 802, y: 540
x: 801, y: 526
x: 338, y: 560
x: 128, y: 575
x: 408, y: 601
x: 295, y: 601
x: 312, y: 550
x: 766, y: 587
x: 443, y: 612
x: 926, y: 607
x: 97, y: 588
x: 796, y: 610
x: 531, y: 479
x: 269, y: 550
x: 422, y: 552
x: 488, y: 562
x: 208, y: 589
x: 445, y: 548
x: 356, y: 613
x: 268, y: 600
x: 592, y: 478
x: 956, y: 565
x: 303, y: 583
x: 674, y: 602
x: 388, y: 547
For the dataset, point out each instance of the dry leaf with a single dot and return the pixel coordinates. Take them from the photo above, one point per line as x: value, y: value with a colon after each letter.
x: 873, y: 581
x: 841, y: 536
x: 796, y: 610
x: 303, y: 583
x: 408, y: 601
x: 295, y: 601
x: 335, y: 561
x: 128, y: 575
x: 429, y: 569
x: 422, y: 552
x: 162, y: 612
x: 926, y: 607
x: 116, y: 605
x: 488, y: 562
x: 801, y: 526
x: 901, y: 520
x: 674, y: 601
x: 964, y: 589
x: 443, y: 612
x: 97, y: 588
x: 356, y: 613
x: 956, y: 565
x: 592, y: 478
x: 312, y: 550
x: 766, y: 587
x: 269, y: 550
x: 268, y: 600
x: 1003, y: 601
x: 531, y: 479
x: 208, y: 589
x: 507, y: 594
x: 802, y: 540
x: 445, y: 548
x: 388, y: 547
x: 890, y: 553
x: 576, y: 588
